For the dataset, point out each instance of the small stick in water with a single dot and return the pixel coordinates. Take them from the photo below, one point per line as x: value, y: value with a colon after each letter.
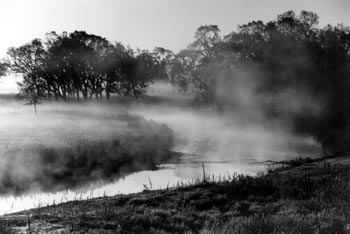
x: 28, y: 221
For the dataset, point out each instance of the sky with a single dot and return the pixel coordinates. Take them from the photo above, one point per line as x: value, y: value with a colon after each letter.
x: 146, y: 24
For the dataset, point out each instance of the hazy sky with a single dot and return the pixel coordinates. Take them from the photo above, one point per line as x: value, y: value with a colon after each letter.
x: 147, y: 23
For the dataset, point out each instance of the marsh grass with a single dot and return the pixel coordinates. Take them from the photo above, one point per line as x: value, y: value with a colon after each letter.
x: 5, y: 229
x: 46, y: 167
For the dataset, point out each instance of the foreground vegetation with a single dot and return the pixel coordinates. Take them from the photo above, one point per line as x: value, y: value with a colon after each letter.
x: 311, y: 198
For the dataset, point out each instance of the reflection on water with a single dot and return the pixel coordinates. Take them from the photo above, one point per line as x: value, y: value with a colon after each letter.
x: 169, y: 175
x: 224, y: 146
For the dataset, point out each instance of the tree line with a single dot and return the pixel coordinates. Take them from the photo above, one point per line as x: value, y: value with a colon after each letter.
x: 288, y: 55
x: 294, y: 68
x: 78, y: 66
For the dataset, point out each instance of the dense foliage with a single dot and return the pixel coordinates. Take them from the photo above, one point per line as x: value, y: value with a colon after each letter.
x: 80, y: 65
x: 287, y: 68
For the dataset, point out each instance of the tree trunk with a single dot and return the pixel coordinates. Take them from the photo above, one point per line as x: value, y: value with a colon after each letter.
x: 77, y: 93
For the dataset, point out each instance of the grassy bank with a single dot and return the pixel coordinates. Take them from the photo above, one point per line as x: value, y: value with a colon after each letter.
x: 65, y: 146
x: 313, y: 197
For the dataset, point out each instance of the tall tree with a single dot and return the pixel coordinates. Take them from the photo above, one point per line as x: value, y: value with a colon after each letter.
x: 29, y: 61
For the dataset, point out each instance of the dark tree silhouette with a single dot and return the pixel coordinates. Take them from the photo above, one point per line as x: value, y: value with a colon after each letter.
x: 29, y: 61
x: 289, y: 53
x: 73, y: 62
x: 74, y: 65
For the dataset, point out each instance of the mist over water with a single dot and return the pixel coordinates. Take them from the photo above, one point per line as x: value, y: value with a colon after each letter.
x: 244, y: 132
x: 66, y: 145
x: 227, y: 143
x: 218, y: 137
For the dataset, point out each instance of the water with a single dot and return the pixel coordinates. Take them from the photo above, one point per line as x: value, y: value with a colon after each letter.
x: 169, y: 175
x: 189, y: 170
x: 223, y: 146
